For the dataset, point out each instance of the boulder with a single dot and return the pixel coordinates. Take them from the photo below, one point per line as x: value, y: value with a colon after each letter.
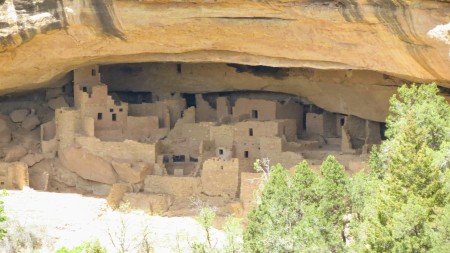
x: 87, y: 186
x: 53, y: 93
x: 39, y: 180
x: 87, y: 165
x: 15, y: 153
x: 18, y: 116
x: 131, y: 172
x: 116, y: 194
x: 31, y: 122
x: 155, y: 203
x: 56, y: 103
x: 5, y: 132
x: 15, y: 175
x: 32, y: 159
x: 61, y: 173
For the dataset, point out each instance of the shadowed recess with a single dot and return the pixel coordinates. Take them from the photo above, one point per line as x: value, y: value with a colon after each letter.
x: 273, y: 72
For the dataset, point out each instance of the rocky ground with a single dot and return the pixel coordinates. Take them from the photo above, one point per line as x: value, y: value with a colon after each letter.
x: 64, y: 219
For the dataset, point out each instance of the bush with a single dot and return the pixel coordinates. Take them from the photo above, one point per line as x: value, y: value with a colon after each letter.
x: 86, y: 247
x: 2, y: 215
x: 22, y: 238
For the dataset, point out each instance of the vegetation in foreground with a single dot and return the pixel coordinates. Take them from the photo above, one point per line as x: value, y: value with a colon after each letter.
x: 401, y: 205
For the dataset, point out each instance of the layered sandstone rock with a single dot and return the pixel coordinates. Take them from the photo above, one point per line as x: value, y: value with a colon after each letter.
x: 131, y: 172
x: 42, y: 41
x: 87, y: 166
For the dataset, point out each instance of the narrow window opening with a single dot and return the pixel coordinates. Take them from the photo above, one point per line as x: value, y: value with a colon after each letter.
x: 220, y: 151
x: 178, y: 158
x: 304, y: 120
x: 165, y: 159
x: 93, y: 72
x: 179, y: 68
x: 383, y: 131
x: 100, y: 116
x: 254, y: 114
x: 250, y: 131
x: 246, y: 154
x: 84, y: 89
x: 342, y: 121
x: 114, y: 117
x: 221, y: 167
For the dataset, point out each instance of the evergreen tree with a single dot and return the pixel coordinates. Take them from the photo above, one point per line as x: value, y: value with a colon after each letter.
x: 409, y: 202
x: 268, y: 229
x: 300, y: 214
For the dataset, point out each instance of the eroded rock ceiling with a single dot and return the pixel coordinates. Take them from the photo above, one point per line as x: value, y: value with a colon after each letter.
x: 41, y: 41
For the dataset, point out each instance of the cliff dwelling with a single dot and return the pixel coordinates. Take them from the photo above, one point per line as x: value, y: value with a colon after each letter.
x: 144, y: 133
x: 252, y: 122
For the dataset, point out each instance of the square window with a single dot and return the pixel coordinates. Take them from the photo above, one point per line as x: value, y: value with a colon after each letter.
x: 111, y: 110
x: 220, y: 151
x: 84, y: 89
x: 120, y: 110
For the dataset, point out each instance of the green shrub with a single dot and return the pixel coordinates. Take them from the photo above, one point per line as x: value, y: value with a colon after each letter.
x: 86, y: 247
x: 2, y: 215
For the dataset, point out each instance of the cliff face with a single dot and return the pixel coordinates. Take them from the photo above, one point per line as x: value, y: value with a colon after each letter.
x: 42, y: 40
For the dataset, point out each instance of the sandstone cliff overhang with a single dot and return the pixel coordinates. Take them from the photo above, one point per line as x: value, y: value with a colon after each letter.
x: 42, y: 41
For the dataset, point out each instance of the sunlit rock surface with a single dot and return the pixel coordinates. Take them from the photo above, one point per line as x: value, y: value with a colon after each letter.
x: 41, y: 41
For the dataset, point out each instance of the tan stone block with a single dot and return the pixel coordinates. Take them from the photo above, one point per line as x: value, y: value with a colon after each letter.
x: 87, y: 165
x: 15, y: 153
x: 116, y: 194
x: 130, y: 172
x: 31, y: 122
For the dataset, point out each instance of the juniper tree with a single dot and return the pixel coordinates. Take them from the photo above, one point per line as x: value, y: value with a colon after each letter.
x: 409, y: 206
